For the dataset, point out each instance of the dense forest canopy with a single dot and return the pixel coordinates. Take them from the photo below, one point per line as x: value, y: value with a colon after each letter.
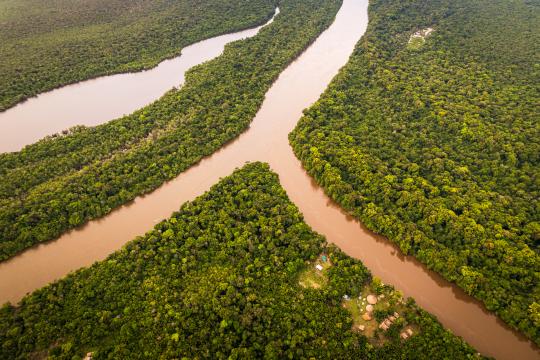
x: 219, y: 279
x: 434, y: 141
x: 63, y: 181
x: 46, y: 44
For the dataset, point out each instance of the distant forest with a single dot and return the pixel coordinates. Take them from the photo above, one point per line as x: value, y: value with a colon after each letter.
x: 65, y: 180
x: 46, y: 44
x: 434, y: 141
x: 220, y: 280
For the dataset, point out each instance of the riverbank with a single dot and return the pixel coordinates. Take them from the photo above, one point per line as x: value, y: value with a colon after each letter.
x: 266, y: 140
x: 97, y: 101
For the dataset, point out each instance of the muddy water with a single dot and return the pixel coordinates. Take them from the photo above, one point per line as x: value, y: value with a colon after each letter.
x: 99, y: 100
x: 266, y: 140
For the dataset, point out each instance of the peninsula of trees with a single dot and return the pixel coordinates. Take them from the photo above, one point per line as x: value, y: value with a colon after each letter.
x: 221, y: 279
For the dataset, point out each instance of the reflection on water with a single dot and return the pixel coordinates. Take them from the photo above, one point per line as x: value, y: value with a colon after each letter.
x: 266, y: 140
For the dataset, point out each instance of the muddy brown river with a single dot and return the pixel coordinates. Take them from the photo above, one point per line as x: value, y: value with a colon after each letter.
x: 266, y: 140
x: 99, y: 100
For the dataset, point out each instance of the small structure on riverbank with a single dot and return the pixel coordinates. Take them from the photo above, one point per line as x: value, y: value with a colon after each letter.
x: 314, y: 276
x: 371, y: 299
x: 405, y: 334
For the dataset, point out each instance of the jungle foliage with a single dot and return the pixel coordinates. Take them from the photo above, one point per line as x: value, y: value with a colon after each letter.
x: 219, y: 279
x: 46, y: 44
x: 65, y: 180
x: 437, y: 146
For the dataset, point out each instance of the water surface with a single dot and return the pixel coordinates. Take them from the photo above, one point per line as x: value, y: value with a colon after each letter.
x: 266, y: 140
x: 102, y: 99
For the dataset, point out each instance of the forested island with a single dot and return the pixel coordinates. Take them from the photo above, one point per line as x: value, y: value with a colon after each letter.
x: 63, y: 181
x: 430, y: 136
x: 224, y: 277
x: 46, y: 44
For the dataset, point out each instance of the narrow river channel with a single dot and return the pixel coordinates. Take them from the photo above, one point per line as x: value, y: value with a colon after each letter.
x: 99, y: 100
x: 266, y: 140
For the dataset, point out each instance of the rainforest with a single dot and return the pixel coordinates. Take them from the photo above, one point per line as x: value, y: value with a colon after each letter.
x: 233, y: 258
x: 62, y: 181
x: 46, y: 44
x: 347, y: 179
x: 437, y: 147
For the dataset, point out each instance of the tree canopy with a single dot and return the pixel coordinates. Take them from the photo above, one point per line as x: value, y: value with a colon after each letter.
x: 65, y: 180
x: 47, y: 44
x: 435, y: 143
x: 219, y: 279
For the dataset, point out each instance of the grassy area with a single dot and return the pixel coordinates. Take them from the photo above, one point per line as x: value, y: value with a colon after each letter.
x: 313, y: 277
x: 418, y: 39
x: 390, y: 307
x: 415, y: 42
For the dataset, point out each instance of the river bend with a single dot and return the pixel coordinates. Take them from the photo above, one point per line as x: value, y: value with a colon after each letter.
x: 96, y: 101
x: 266, y: 140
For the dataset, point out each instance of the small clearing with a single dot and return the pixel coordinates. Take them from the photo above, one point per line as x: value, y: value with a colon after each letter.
x: 419, y: 38
x: 314, y: 276
x: 376, y: 321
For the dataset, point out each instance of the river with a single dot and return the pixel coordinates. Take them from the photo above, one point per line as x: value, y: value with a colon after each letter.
x: 99, y: 100
x: 266, y: 140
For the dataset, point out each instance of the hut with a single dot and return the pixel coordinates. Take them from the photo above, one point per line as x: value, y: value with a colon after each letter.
x: 369, y: 308
x: 366, y: 317
x: 372, y: 299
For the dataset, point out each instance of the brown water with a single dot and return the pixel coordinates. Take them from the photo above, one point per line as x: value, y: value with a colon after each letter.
x: 99, y: 100
x: 266, y: 140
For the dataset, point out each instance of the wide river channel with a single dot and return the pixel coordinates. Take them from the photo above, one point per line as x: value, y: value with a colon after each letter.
x: 266, y: 140
x: 99, y: 100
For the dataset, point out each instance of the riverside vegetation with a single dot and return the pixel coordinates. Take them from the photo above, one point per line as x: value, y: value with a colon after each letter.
x: 48, y: 44
x: 65, y: 180
x: 435, y: 144
x: 219, y: 279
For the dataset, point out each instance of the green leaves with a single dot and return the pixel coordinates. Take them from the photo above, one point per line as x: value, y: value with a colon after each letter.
x: 47, y: 46
x: 229, y: 300
x: 55, y: 179
x: 427, y: 147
